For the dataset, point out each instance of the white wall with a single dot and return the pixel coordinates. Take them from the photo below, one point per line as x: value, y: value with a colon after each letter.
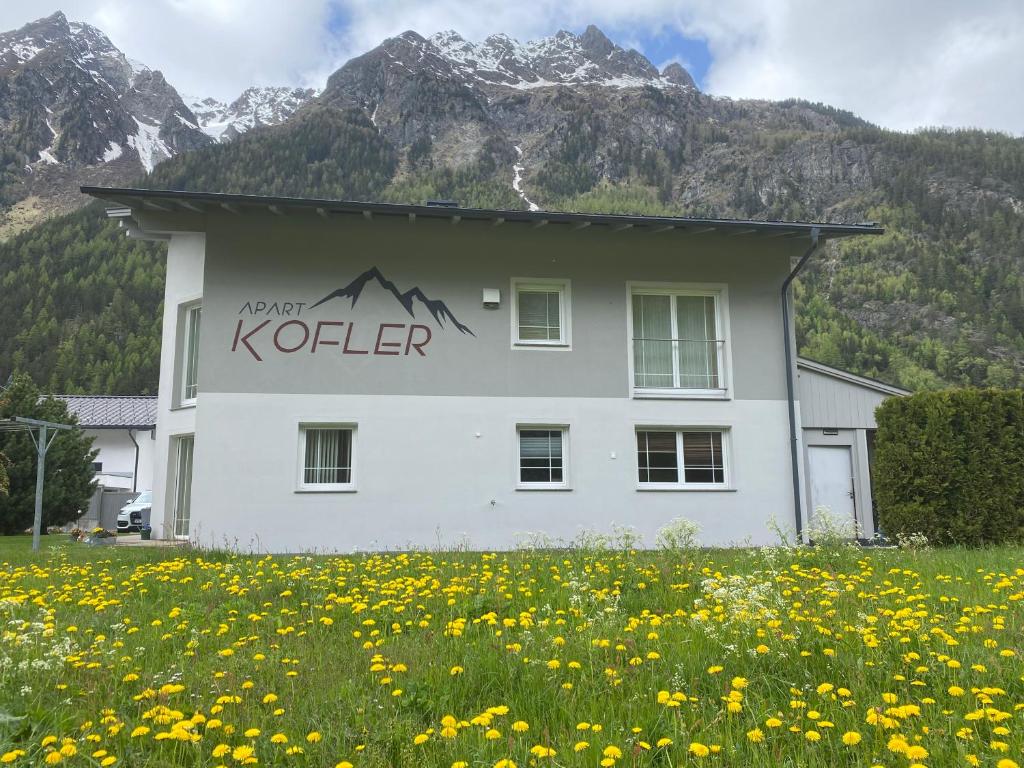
x: 424, y: 477
x: 117, y: 454
x: 185, y: 257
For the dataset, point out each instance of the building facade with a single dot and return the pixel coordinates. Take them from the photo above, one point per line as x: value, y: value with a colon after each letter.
x: 340, y: 376
x: 123, y: 429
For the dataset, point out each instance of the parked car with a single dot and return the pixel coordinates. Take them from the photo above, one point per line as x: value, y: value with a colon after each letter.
x: 135, y: 513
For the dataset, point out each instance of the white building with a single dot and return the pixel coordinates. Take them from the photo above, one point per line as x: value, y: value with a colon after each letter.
x: 341, y: 375
x: 124, y: 431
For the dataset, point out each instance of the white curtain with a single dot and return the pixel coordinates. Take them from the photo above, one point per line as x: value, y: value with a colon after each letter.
x: 652, y: 341
x: 698, y: 346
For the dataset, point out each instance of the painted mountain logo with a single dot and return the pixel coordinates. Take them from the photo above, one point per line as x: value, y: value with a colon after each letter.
x: 293, y: 334
x: 437, y: 308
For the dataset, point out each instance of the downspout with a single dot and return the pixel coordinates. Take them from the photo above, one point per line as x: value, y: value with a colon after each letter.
x: 135, y: 473
x: 794, y: 437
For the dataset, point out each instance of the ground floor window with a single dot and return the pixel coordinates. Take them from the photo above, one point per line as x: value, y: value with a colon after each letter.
x: 182, y: 515
x: 542, y: 454
x: 681, y: 457
x: 325, y: 460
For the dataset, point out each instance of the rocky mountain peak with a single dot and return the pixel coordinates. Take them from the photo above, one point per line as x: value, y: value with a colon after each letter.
x: 256, y: 106
x: 563, y: 59
x: 596, y: 43
x: 70, y: 98
x: 675, y: 73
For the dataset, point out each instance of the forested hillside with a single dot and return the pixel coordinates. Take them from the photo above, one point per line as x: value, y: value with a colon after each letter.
x: 938, y: 300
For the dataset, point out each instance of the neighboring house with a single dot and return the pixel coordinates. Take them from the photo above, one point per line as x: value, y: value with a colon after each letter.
x: 123, y: 430
x: 343, y: 375
x: 837, y: 413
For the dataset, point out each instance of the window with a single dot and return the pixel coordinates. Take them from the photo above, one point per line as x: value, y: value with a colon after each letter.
x: 677, y: 342
x: 97, y: 466
x: 701, y: 451
x: 325, y: 458
x: 182, y: 511
x: 190, y: 356
x: 542, y: 457
x: 540, y: 313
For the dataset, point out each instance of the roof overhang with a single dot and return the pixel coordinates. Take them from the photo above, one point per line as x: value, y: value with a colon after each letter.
x: 132, y: 202
x: 850, y: 378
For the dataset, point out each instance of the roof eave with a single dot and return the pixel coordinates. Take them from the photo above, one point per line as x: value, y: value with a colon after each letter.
x: 174, y: 201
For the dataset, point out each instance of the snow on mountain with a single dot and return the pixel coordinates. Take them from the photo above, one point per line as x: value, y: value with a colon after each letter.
x: 256, y: 106
x: 70, y: 98
x: 562, y: 59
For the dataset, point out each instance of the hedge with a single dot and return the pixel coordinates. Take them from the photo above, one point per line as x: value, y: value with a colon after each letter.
x: 950, y: 465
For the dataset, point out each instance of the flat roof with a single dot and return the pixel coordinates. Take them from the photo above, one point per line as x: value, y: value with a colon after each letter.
x: 174, y: 201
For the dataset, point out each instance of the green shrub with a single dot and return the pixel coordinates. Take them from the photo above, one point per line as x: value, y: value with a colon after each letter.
x: 950, y: 465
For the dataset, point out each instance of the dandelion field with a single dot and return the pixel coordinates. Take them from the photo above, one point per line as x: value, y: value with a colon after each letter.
x: 580, y: 657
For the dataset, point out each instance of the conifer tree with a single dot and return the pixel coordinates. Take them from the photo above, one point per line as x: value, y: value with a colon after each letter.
x: 68, y: 477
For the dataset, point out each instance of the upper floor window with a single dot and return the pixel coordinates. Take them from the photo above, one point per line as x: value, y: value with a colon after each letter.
x: 540, y: 313
x: 678, y: 343
x: 190, y: 355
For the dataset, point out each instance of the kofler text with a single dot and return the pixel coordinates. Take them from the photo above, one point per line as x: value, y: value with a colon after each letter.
x: 258, y: 338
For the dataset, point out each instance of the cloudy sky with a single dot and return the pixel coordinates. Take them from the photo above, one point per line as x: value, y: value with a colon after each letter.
x: 900, y: 63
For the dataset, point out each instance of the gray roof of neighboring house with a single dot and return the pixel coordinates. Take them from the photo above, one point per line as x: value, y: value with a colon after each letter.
x: 112, y: 411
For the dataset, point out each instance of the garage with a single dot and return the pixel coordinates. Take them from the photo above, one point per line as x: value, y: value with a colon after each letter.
x: 837, y: 411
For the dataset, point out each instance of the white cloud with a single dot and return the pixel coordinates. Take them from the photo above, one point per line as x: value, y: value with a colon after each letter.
x: 900, y: 63
x: 904, y: 64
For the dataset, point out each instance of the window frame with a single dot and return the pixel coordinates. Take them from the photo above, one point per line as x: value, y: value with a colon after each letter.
x: 728, y: 474
x: 564, y: 484
x: 720, y: 293
x: 561, y: 286
x: 301, y: 486
x: 187, y: 309
x: 181, y: 500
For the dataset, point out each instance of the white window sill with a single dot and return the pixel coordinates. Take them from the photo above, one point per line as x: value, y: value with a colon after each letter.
x: 681, y: 394
x: 691, y: 488
x: 544, y: 487
x: 184, y: 406
x: 330, y: 489
x: 552, y: 346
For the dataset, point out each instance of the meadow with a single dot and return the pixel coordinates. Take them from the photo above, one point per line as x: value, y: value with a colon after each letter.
x: 591, y: 656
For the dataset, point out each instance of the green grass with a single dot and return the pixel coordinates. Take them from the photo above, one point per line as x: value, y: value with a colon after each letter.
x: 376, y: 652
